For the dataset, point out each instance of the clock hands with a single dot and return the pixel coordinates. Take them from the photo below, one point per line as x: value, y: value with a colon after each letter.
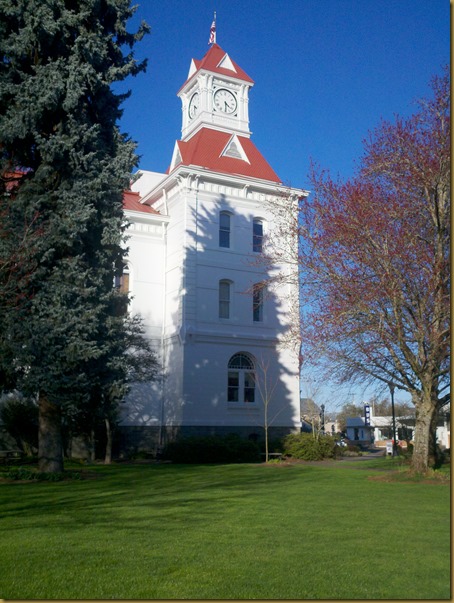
x: 225, y: 101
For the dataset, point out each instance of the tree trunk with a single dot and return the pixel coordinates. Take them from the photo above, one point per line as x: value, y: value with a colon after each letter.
x: 69, y: 444
x: 27, y: 448
x: 109, y: 442
x: 50, y: 447
x: 435, y: 456
x: 422, y: 452
x: 266, y: 445
x: 91, y: 445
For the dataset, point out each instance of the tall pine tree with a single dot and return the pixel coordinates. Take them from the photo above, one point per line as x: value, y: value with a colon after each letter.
x: 64, y: 166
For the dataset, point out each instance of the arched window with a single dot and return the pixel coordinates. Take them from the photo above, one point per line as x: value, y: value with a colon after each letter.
x: 241, y: 379
x: 224, y: 298
x: 122, y: 278
x: 257, y: 235
x: 224, y: 229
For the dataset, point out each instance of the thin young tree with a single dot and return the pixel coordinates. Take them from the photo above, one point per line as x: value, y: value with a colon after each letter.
x: 266, y: 381
x: 58, y: 131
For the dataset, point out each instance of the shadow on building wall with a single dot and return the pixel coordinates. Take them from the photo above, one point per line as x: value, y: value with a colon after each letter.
x: 207, y: 329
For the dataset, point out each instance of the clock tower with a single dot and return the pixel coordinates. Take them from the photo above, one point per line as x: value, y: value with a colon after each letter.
x: 215, y: 95
x: 195, y: 237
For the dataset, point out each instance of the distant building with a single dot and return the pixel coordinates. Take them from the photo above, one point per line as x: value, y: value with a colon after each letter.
x: 310, y: 415
x: 332, y: 427
x: 371, y: 429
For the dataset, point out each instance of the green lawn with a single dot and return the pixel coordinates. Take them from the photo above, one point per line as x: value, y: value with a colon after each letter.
x: 226, y: 532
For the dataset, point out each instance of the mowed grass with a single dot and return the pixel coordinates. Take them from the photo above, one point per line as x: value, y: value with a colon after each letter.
x: 226, y: 532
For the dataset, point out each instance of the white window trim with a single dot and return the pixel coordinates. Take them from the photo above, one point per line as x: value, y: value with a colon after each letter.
x: 241, y: 403
x: 229, y: 301
x: 231, y: 230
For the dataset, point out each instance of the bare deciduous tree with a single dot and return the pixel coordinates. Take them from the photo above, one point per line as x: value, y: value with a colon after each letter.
x: 373, y: 264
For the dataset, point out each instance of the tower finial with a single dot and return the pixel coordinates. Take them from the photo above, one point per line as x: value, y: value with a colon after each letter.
x: 212, y: 39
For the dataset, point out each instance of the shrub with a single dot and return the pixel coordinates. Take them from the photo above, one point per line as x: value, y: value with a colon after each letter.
x: 212, y: 449
x: 306, y: 447
x: 23, y: 473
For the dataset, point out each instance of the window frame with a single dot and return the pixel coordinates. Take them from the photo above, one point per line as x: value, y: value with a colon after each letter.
x: 226, y: 301
x: 258, y: 302
x: 257, y: 238
x: 225, y: 232
x: 241, y: 381
x: 122, y: 280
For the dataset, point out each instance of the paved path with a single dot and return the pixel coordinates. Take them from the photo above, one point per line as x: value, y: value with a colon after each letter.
x: 369, y: 454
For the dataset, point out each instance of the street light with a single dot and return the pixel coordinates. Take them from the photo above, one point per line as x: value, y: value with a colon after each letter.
x: 391, y: 389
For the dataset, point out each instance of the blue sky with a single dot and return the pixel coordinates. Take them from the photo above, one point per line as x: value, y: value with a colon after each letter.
x: 325, y: 72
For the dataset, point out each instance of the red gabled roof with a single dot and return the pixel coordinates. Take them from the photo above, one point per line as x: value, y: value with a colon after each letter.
x: 131, y: 201
x: 205, y: 150
x: 211, y: 61
x: 11, y: 179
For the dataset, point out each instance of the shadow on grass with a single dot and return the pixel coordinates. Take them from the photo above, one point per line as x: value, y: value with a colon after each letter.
x: 221, y: 531
x: 130, y: 494
x: 139, y: 497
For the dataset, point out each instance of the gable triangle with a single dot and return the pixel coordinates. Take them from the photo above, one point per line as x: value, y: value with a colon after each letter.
x: 192, y: 68
x: 176, y: 157
x: 226, y: 63
x: 235, y: 150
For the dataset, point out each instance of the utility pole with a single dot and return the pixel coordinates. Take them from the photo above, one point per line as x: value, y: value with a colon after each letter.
x: 391, y: 389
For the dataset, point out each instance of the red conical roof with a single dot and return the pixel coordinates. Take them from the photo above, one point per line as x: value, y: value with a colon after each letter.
x: 212, y: 61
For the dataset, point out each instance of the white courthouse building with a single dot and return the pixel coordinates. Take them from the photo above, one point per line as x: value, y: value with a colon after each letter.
x: 194, y: 235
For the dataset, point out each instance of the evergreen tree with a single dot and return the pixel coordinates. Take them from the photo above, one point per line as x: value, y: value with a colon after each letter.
x: 64, y: 166
x: 127, y: 357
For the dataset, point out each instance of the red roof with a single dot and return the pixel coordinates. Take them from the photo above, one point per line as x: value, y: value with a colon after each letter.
x: 205, y: 149
x: 131, y: 201
x: 212, y: 59
x: 11, y: 179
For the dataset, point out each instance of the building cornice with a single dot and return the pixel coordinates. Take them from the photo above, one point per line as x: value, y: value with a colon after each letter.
x: 138, y: 216
x: 191, y: 176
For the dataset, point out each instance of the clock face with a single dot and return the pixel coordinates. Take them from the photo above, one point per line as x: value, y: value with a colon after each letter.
x: 193, y: 105
x: 225, y: 101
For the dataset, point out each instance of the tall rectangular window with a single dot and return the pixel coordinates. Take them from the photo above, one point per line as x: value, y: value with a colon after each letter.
x: 257, y: 235
x: 224, y: 229
x: 257, y: 302
x: 224, y: 299
x: 249, y: 387
x: 233, y: 386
